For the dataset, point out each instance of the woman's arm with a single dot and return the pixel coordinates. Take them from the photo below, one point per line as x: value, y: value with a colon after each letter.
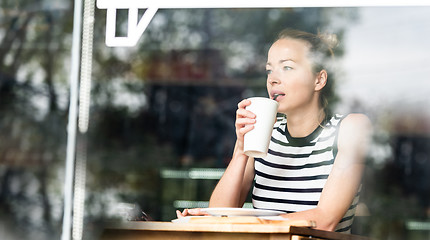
x: 344, y: 180
x: 234, y: 185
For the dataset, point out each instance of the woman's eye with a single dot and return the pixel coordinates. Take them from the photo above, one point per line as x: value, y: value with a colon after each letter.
x: 268, y: 71
x: 287, y: 68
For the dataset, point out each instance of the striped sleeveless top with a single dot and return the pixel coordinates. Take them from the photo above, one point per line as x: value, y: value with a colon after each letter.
x: 292, y: 175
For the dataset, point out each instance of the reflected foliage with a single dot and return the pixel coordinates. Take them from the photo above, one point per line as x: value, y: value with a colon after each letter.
x: 33, y: 46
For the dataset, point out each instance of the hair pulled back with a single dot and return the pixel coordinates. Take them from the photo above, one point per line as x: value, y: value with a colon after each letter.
x: 322, y: 58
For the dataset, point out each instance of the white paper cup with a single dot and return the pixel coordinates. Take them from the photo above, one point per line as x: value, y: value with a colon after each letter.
x: 256, y: 141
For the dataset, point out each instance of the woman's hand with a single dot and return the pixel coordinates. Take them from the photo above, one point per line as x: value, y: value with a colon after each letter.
x: 244, y: 121
x: 190, y: 212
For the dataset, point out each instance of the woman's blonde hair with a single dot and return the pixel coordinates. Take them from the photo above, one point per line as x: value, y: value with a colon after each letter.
x: 322, y: 57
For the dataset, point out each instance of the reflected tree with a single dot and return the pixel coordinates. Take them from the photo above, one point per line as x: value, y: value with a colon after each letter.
x: 34, y: 48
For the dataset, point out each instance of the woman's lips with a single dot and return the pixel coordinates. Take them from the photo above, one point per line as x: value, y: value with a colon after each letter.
x: 277, y: 95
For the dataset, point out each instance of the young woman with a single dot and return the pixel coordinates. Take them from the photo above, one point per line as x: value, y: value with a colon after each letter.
x: 316, y: 159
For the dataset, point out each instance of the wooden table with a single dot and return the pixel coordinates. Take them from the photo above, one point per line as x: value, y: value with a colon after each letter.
x: 218, y: 231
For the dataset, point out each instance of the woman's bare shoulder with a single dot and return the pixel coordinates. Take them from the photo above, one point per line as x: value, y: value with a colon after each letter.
x: 356, y: 121
x: 355, y: 131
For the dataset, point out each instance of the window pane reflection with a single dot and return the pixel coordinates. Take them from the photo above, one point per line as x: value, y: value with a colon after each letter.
x: 161, y: 127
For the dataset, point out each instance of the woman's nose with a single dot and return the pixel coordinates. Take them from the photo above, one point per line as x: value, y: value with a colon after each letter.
x: 273, y: 79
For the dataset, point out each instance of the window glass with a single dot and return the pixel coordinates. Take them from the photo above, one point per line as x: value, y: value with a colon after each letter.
x: 161, y: 124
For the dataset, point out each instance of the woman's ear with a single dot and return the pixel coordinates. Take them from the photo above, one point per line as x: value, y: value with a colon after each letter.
x: 321, y: 80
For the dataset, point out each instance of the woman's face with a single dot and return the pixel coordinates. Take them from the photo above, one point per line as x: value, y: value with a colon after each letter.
x: 289, y: 73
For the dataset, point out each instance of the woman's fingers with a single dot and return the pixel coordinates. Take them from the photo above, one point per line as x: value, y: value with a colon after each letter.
x: 245, y: 119
x: 243, y: 113
x: 243, y: 116
x: 190, y: 212
x: 196, y: 212
x: 246, y: 129
x: 179, y: 214
x: 243, y: 103
x: 182, y: 214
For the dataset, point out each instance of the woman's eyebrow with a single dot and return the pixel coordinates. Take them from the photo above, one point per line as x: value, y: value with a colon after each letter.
x: 286, y: 60
x: 281, y: 61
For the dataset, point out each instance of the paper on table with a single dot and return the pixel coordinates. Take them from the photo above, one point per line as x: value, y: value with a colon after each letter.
x: 236, y: 212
